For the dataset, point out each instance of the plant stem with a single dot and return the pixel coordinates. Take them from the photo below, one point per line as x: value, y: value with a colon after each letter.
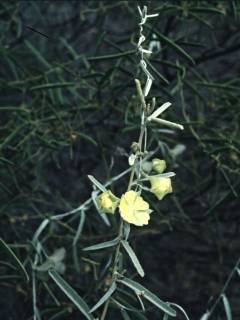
x: 224, y: 287
x: 117, y: 252
x: 131, y: 179
x: 116, y: 258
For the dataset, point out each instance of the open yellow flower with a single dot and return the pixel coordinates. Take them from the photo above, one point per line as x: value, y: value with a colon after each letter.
x: 134, y: 209
x: 107, y: 202
x: 160, y: 186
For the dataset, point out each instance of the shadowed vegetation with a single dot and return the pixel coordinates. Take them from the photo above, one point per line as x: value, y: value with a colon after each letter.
x: 69, y: 108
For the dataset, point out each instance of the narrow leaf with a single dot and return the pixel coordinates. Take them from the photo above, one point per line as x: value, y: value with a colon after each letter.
x: 124, y: 304
x: 40, y: 229
x: 112, y: 56
x: 133, y: 257
x: 97, y: 183
x: 105, y: 297
x: 48, y: 264
x: 175, y: 46
x: 88, y: 138
x: 71, y: 294
x: 80, y: 228
x: 147, y: 86
x: 162, y: 175
x: 103, y: 245
x: 125, y: 315
x: 48, y: 86
x: 127, y: 229
x: 165, y: 175
x: 180, y: 308
x: 103, y: 216
x: 37, y: 54
x: 159, y: 110
x: 227, y: 307
x: 207, y: 10
x: 139, y: 289
x: 168, y: 123
x: 238, y: 271
x: 205, y: 316
x: 60, y: 314
x: 156, y: 72
x: 217, y: 86
x: 14, y: 259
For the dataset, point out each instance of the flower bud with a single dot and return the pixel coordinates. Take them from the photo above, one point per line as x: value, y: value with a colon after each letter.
x: 135, y: 147
x: 107, y: 202
x: 160, y: 186
x: 147, y: 166
x: 159, y: 165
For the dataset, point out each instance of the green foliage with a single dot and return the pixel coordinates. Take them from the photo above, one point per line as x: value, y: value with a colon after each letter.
x: 71, y: 293
x: 12, y: 257
x: 140, y: 290
x: 69, y: 108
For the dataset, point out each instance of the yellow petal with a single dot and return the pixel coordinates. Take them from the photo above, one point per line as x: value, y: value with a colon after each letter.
x: 140, y: 204
x: 160, y: 186
x: 134, y: 209
x: 130, y: 197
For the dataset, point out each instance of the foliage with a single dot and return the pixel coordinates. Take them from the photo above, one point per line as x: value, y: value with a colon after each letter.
x: 69, y: 108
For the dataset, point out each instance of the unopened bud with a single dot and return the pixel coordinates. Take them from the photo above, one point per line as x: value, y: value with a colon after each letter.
x: 107, y: 202
x: 158, y: 165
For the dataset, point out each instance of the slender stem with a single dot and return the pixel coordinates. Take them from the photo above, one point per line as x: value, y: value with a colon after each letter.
x: 116, y: 258
x: 224, y: 287
x: 105, y: 309
x: 120, y: 232
x: 35, y: 310
x: 143, y: 14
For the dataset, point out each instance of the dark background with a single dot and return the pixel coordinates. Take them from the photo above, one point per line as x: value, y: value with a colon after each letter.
x: 68, y: 109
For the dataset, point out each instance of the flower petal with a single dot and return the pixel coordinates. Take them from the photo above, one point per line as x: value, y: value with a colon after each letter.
x: 134, y: 209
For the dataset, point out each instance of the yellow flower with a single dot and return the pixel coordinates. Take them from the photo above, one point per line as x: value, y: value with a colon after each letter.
x: 160, y: 186
x: 158, y: 165
x: 134, y: 209
x: 107, y: 202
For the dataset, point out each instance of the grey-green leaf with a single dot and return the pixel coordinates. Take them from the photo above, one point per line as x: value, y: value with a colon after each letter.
x: 125, y: 315
x: 133, y: 257
x: 14, y: 259
x: 97, y: 183
x: 105, y: 297
x: 175, y: 46
x: 80, y: 227
x: 48, y: 86
x: 180, y: 308
x: 48, y: 264
x: 139, y: 289
x: 40, y: 229
x: 205, y: 316
x: 37, y: 54
x: 227, y: 307
x: 87, y: 137
x: 103, y: 245
x: 238, y: 271
x: 71, y: 294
